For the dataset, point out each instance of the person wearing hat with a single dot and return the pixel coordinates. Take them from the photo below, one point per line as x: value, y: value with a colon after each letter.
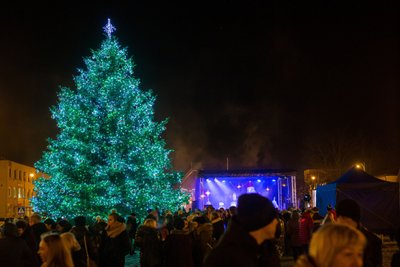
x: 246, y: 242
x: 349, y: 213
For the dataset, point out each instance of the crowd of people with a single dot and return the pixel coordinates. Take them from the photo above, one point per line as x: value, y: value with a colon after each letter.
x: 254, y: 233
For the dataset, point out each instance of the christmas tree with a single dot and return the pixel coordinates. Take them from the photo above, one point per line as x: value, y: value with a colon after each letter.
x: 109, y: 153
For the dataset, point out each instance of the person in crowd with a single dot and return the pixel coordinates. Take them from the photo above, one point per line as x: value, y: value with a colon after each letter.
x: 53, y: 252
x: 63, y: 226
x: 25, y: 232
x: 349, y: 213
x: 73, y: 246
x: 115, y: 243
x: 148, y: 240
x: 131, y: 227
x: 203, y: 240
x: 178, y: 247
x: 293, y: 234
x: 218, y: 226
x: 245, y: 241
x: 306, y: 229
x: 330, y: 216
x: 334, y: 245
x: 13, y: 250
x: 317, y: 218
x: 50, y: 224
x: 86, y: 240
x: 396, y: 256
x: 38, y: 228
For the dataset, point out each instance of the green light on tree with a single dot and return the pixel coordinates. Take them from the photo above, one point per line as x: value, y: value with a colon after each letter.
x: 109, y: 153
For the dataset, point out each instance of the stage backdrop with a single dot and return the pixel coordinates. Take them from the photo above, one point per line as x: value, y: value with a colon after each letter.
x: 221, y: 189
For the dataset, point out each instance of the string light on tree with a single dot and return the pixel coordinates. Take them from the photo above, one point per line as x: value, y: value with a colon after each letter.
x: 109, y: 153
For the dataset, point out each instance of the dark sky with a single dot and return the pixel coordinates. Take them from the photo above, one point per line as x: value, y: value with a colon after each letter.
x: 261, y: 84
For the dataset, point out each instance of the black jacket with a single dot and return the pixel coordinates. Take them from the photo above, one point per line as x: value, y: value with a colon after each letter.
x: 373, y: 250
x: 148, y: 240
x: 237, y: 248
x: 14, y: 252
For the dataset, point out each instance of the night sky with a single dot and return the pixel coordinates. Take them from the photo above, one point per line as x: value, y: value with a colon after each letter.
x: 263, y: 85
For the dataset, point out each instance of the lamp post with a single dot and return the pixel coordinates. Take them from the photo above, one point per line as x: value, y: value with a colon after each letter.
x: 361, y: 165
x: 313, y: 191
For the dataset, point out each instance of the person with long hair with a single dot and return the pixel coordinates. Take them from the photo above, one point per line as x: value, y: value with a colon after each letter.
x: 53, y: 252
x: 77, y: 253
x: 334, y: 245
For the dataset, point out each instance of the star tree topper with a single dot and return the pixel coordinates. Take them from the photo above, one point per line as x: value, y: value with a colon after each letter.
x: 109, y: 28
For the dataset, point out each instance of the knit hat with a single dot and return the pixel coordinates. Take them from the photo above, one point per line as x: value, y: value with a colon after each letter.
x: 255, y: 211
x: 350, y: 209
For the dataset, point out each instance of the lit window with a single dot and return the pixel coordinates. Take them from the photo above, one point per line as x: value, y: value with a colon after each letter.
x: 20, y: 175
x: 24, y: 176
x: 9, y: 192
x: 19, y: 192
x: 15, y: 192
x: 15, y: 174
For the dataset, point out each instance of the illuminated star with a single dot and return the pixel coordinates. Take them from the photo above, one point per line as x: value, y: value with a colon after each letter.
x: 109, y: 28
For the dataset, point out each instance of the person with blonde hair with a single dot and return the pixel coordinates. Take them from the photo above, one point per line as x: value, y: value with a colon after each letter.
x: 53, y: 252
x: 334, y: 245
x: 77, y: 253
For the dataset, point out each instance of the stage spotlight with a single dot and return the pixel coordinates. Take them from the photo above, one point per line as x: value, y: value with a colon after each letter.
x: 223, y: 181
x: 202, y: 196
x: 267, y: 189
x: 239, y: 186
x: 258, y: 181
x: 273, y: 180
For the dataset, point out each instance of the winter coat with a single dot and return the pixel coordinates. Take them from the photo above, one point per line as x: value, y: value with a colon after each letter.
x: 114, y: 247
x: 81, y: 233
x: 203, y: 242
x: 14, y: 252
x: 148, y: 240
x: 373, y: 250
x: 178, y: 249
x: 237, y: 248
x: 218, y: 228
x: 306, y: 228
x: 293, y: 232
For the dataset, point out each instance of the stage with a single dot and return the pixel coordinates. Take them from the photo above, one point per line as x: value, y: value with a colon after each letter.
x: 221, y: 189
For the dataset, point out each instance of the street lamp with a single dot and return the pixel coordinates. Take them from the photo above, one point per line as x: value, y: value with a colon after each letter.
x: 361, y: 166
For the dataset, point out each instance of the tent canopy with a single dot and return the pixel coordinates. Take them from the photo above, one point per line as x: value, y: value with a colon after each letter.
x: 378, y: 200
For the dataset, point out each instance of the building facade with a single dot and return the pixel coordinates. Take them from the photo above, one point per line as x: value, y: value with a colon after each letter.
x: 16, y: 189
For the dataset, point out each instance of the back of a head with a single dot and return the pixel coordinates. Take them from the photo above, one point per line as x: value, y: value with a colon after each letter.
x: 350, y: 209
x: 70, y: 241
x: 331, y: 239
x: 80, y: 221
x: 255, y: 211
x: 58, y: 254
x: 10, y: 230
x: 179, y: 223
x: 150, y: 223
x: 35, y: 218
x: 21, y: 224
